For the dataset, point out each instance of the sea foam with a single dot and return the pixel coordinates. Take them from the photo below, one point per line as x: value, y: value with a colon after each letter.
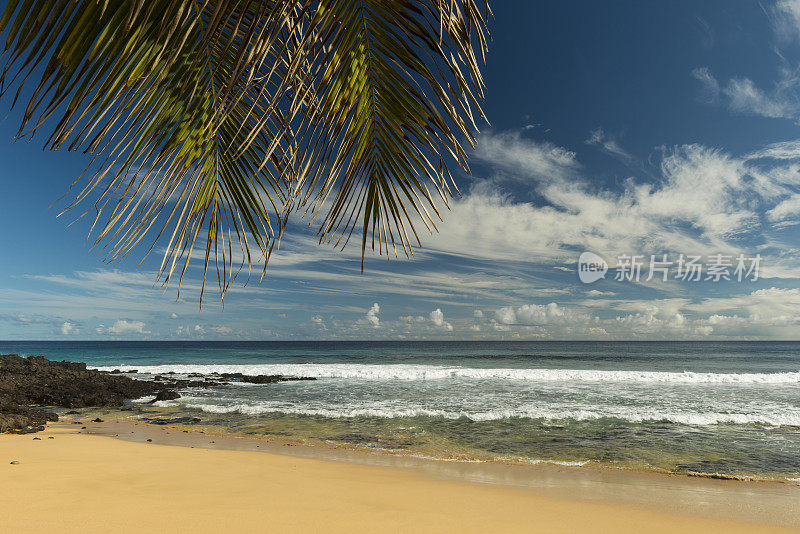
x: 628, y: 414
x: 435, y: 372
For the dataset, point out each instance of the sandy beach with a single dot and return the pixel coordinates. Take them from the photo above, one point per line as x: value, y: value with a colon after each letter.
x: 79, y: 482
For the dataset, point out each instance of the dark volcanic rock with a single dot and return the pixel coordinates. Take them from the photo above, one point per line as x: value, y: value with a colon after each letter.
x: 166, y: 394
x: 170, y: 383
x: 38, y: 381
x: 263, y: 379
x: 21, y: 420
x: 258, y: 379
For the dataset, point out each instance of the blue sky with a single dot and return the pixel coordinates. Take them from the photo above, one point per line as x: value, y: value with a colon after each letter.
x: 636, y: 128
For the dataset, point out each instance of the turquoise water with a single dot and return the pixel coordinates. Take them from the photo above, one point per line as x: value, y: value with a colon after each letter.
x: 731, y: 408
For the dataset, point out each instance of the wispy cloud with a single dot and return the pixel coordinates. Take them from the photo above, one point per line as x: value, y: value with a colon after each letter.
x: 600, y: 139
x: 785, y: 18
x: 779, y: 100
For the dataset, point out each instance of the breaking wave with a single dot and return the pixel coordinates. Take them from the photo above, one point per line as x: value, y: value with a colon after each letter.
x: 435, y: 372
x: 628, y: 414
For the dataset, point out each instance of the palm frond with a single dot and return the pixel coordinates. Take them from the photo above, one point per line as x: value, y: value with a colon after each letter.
x: 216, y: 119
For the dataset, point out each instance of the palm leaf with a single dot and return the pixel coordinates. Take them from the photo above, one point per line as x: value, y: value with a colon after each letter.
x: 217, y: 119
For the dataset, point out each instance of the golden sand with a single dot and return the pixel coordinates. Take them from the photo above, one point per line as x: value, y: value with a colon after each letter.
x: 88, y: 483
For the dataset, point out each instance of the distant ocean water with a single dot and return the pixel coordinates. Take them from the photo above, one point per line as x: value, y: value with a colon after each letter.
x: 731, y: 408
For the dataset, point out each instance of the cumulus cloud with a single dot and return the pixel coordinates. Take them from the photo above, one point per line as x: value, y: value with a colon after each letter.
x: 68, y: 328
x: 535, y: 314
x: 123, y: 327
x: 197, y: 330
x: 437, y: 318
x: 769, y: 306
x: 372, y: 315
x: 657, y: 320
x: 223, y: 330
x: 318, y: 322
x: 772, y: 312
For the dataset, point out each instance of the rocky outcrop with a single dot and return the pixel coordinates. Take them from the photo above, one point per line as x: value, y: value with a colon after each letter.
x: 19, y: 419
x: 263, y: 379
x: 38, y: 381
x: 166, y: 395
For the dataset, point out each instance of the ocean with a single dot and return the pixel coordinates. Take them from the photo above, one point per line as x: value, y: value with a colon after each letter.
x: 687, y: 407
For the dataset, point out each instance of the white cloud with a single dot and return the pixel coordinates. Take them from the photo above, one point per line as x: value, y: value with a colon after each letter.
x: 786, y: 210
x: 709, y: 84
x: 600, y: 139
x: 223, y: 330
x: 68, y: 328
x: 598, y: 293
x: 318, y: 322
x: 770, y: 306
x: 372, y: 315
x: 784, y: 150
x: 742, y: 95
x: 786, y: 19
x: 704, y: 202
x: 123, y: 326
x: 541, y: 160
x: 773, y: 313
x: 781, y: 103
x: 437, y: 318
x: 534, y: 314
x: 24, y: 319
x: 506, y: 315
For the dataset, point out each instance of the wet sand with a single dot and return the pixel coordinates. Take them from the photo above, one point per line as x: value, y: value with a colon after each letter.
x: 89, y: 481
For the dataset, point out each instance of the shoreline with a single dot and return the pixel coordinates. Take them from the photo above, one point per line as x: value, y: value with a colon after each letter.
x: 762, y: 502
x: 84, y: 481
x: 137, y: 414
